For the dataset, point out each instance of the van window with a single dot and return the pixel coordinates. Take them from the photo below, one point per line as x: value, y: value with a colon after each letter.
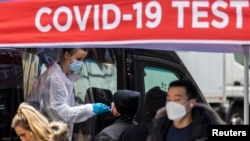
x: 98, y: 71
x: 154, y: 76
x: 240, y: 58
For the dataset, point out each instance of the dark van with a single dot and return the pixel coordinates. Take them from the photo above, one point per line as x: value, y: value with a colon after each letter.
x: 105, y: 70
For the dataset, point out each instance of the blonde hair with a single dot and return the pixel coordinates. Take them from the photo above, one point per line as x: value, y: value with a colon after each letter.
x: 30, y: 119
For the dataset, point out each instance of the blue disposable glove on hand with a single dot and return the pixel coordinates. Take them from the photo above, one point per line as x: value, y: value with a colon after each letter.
x: 99, y: 108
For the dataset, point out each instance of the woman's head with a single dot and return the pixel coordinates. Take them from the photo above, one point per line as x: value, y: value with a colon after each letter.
x: 73, y: 59
x: 22, y: 128
x: 30, y: 125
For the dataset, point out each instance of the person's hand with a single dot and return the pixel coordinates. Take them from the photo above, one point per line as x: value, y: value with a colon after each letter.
x: 99, y: 108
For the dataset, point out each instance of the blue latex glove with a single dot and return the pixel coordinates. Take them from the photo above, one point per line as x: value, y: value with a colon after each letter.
x: 100, y: 108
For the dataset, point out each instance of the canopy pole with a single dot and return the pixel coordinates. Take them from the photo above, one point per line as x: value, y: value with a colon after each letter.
x: 246, y: 89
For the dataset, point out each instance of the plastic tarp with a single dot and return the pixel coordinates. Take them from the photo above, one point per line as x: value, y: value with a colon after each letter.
x: 193, y: 25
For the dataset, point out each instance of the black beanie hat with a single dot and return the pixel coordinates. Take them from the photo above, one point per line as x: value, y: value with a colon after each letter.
x: 126, y: 101
x: 155, y: 99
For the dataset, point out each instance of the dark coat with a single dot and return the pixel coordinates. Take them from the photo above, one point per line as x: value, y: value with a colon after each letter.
x: 137, y: 132
x: 112, y: 132
x: 202, y: 115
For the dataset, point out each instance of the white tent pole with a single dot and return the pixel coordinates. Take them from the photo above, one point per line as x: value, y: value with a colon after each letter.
x: 246, y: 90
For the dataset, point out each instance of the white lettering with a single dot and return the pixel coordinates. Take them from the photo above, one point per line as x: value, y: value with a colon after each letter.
x: 82, y: 21
x: 68, y: 23
x: 244, y: 133
x: 39, y: 14
x: 214, y: 132
x: 117, y: 17
x: 199, y: 14
x: 220, y: 14
x: 108, y: 16
x: 180, y: 6
x: 239, y: 5
x: 96, y: 17
x: 155, y: 17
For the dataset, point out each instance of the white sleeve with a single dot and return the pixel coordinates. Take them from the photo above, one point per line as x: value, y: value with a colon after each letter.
x: 58, y: 102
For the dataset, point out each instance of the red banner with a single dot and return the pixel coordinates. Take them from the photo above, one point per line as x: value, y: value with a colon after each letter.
x: 79, y: 21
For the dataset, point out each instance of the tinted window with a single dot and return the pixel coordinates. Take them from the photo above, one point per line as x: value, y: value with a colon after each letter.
x: 155, y: 76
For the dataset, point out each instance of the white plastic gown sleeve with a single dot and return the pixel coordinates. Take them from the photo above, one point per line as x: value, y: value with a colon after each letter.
x: 58, y: 98
x: 54, y: 91
x: 62, y: 101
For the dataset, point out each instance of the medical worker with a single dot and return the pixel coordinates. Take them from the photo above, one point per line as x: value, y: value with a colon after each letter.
x: 54, y: 90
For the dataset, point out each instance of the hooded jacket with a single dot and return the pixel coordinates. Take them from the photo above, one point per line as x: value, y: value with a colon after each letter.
x: 202, y: 115
x: 126, y: 103
x: 112, y: 132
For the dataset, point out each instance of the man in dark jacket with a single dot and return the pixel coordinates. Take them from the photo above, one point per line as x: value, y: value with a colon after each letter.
x: 124, y: 107
x: 155, y: 99
x: 183, y: 119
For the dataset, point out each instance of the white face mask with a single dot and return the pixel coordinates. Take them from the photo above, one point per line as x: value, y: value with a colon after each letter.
x: 76, y: 66
x: 175, y: 111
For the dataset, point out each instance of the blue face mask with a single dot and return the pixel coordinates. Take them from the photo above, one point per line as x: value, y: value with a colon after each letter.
x: 76, y: 65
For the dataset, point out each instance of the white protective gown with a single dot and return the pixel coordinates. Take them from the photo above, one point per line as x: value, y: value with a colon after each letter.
x: 54, y: 91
